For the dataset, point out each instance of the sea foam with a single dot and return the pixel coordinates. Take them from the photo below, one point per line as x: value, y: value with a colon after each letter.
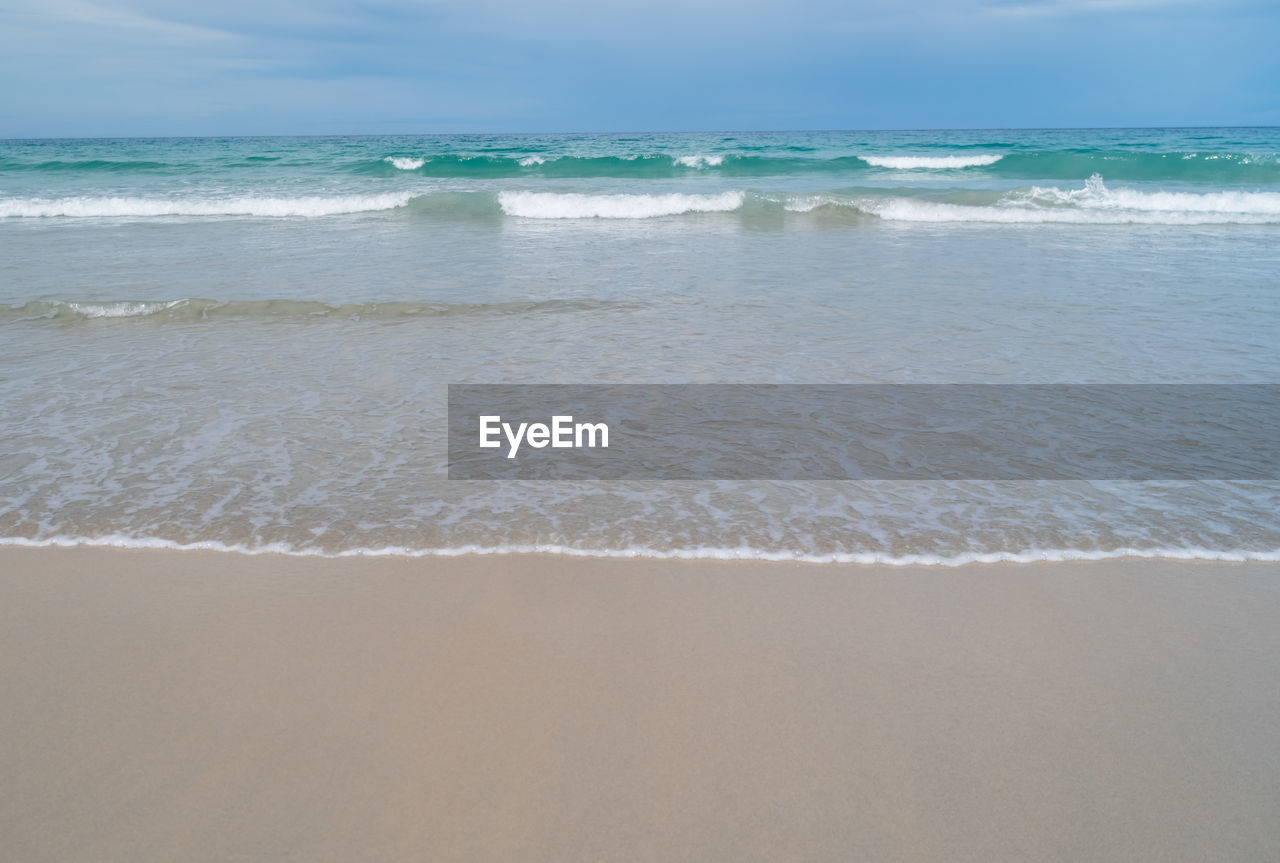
x: 120, y: 309
x: 631, y: 552
x: 131, y: 207
x: 192, y: 309
x: 404, y: 163
x: 909, y: 163
x: 1094, y: 204
x: 699, y: 161
x: 1096, y: 195
x: 550, y: 205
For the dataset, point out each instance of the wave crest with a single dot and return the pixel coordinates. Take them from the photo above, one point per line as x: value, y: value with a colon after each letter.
x: 551, y: 205
x: 700, y: 161
x: 1096, y: 195
x: 198, y: 309
x: 130, y: 207
x: 1095, y: 204
x: 910, y: 163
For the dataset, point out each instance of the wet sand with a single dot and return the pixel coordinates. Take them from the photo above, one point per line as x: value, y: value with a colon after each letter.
x: 202, y: 706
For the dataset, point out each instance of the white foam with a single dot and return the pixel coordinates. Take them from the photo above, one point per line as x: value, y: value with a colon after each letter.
x: 910, y: 163
x: 549, y: 205
x: 404, y: 163
x: 530, y: 161
x: 1096, y: 195
x: 98, y: 207
x: 122, y: 309
x: 808, y: 203
x: 700, y: 553
x: 699, y: 161
x: 906, y: 210
x: 1095, y: 204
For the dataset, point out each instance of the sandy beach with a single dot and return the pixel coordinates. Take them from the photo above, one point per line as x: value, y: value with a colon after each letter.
x: 163, y: 706
x: 629, y: 433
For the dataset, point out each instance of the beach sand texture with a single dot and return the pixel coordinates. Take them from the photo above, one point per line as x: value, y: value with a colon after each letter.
x: 193, y: 706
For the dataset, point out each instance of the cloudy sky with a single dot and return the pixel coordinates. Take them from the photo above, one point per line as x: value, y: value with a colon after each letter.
x: 163, y: 67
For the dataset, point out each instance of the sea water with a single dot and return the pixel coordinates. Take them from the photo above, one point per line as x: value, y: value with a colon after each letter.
x: 246, y: 342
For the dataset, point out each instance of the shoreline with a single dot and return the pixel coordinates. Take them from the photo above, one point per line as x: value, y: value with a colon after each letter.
x: 698, y: 555
x: 204, y: 706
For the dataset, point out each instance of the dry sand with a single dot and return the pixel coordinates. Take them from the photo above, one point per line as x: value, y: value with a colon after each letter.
x: 192, y: 706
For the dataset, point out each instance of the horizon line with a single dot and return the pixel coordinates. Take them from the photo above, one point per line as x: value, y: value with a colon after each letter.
x: 632, y: 132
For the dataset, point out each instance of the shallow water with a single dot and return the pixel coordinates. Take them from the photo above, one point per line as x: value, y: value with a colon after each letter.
x: 247, y: 342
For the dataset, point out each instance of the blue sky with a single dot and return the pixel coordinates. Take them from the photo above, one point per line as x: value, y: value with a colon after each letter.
x: 159, y: 67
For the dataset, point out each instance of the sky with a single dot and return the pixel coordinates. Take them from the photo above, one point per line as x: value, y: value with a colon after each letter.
x: 100, y: 68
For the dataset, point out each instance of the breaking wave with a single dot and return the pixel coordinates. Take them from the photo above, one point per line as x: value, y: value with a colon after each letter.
x: 134, y: 207
x: 199, y: 309
x: 700, y: 161
x: 1094, y: 204
x: 550, y: 205
x: 911, y: 163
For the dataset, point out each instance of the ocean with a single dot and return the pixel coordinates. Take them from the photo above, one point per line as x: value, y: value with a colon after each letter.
x: 246, y: 343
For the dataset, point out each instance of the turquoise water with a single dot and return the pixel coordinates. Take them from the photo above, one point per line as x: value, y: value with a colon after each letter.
x: 245, y: 342
x: 1221, y: 157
